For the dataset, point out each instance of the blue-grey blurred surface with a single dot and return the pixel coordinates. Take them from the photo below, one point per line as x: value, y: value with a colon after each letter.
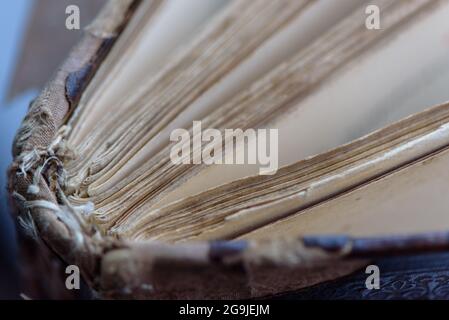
x: 13, y: 19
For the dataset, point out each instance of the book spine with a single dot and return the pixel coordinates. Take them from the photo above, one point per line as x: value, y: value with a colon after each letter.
x: 37, y: 141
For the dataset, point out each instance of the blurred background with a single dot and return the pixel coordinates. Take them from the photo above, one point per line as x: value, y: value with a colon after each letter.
x: 34, y: 42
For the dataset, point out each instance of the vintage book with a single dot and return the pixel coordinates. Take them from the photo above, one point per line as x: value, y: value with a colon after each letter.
x: 235, y: 149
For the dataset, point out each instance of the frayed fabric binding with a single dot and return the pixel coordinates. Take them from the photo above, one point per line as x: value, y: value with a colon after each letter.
x: 74, y: 217
x: 28, y: 225
x: 29, y: 160
x: 34, y: 187
x: 71, y: 216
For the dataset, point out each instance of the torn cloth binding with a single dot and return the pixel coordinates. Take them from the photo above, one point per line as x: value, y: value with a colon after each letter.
x: 121, y: 269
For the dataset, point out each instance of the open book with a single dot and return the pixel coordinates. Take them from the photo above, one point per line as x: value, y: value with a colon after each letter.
x: 245, y: 121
